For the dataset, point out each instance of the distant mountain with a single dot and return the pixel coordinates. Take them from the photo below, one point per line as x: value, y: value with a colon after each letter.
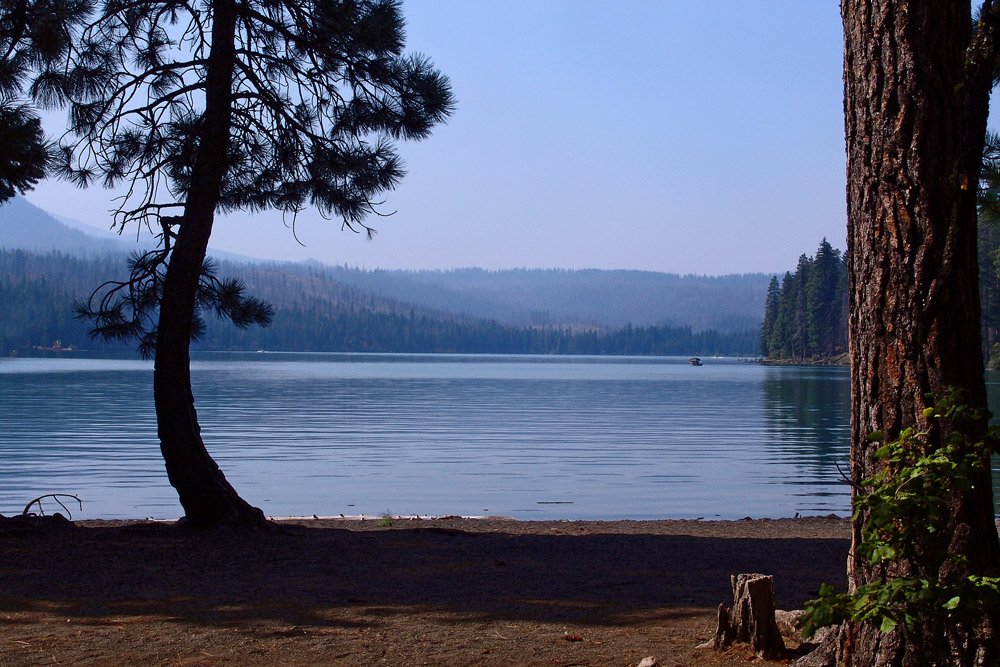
x: 88, y: 229
x: 576, y: 299
x: 27, y: 227
x: 47, y: 265
x: 24, y: 226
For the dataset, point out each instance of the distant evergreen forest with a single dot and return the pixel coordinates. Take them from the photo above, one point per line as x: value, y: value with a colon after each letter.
x: 314, y: 313
x: 553, y: 297
x: 989, y: 250
x: 805, y: 318
x: 989, y: 288
x: 606, y: 299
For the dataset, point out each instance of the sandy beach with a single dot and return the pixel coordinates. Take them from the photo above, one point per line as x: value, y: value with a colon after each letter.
x: 442, y: 591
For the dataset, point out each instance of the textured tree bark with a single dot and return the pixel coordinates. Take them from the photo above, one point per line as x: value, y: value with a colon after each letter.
x: 207, y: 497
x: 917, y: 83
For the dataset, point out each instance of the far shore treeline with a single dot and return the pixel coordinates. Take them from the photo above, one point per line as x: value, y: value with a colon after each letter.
x: 38, y: 292
x: 805, y: 315
x: 805, y: 318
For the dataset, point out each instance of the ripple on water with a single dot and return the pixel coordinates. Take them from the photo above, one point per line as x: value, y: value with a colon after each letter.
x: 597, y: 438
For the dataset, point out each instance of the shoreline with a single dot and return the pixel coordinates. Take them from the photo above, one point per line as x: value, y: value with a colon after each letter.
x: 809, y: 527
x: 829, y: 526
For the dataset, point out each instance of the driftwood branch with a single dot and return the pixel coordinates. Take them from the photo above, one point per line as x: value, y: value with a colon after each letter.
x: 54, y: 496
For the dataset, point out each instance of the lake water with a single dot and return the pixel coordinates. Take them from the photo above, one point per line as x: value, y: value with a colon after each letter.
x: 530, y: 437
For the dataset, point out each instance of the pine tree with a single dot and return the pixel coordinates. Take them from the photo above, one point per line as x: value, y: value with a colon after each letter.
x: 220, y: 106
x: 34, y: 36
x: 782, y: 345
x: 801, y: 318
x: 770, y: 317
x: 821, y: 298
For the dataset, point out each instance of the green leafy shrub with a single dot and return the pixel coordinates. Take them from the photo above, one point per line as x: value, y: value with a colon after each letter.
x: 907, y: 534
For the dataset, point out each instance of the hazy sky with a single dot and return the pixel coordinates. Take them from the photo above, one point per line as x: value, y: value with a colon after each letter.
x: 685, y: 137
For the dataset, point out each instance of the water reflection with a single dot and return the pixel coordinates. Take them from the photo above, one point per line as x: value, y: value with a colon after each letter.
x: 808, y: 415
x: 68, y: 427
x: 598, y: 438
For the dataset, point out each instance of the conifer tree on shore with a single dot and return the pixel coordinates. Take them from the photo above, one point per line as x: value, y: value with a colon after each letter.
x: 806, y: 318
x: 221, y: 106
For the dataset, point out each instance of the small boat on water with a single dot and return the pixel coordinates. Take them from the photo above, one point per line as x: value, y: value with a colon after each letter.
x: 695, y: 361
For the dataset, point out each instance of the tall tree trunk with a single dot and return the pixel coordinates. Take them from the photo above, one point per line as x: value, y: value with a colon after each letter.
x: 917, y: 84
x: 207, y: 497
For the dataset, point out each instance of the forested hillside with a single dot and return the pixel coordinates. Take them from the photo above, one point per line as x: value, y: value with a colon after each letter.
x: 314, y: 313
x: 520, y: 297
x: 564, y: 297
x: 805, y: 318
x: 45, y: 267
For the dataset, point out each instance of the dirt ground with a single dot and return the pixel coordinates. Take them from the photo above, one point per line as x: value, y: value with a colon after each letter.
x: 447, y: 591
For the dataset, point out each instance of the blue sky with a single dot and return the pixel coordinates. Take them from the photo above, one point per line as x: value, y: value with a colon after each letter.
x: 684, y: 137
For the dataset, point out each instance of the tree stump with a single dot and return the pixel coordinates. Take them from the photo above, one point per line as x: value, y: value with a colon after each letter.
x: 751, y: 619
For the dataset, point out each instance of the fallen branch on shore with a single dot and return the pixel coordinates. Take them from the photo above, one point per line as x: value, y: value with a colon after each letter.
x: 54, y: 496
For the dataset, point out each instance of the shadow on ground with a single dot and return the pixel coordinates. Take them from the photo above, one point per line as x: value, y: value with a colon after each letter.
x: 298, y: 574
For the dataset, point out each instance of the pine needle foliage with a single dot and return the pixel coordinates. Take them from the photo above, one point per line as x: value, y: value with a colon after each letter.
x: 316, y: 93
x: 128, y: 310
x: 34, y: 36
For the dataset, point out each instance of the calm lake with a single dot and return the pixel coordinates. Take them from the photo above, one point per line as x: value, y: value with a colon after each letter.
x: 530, y: 437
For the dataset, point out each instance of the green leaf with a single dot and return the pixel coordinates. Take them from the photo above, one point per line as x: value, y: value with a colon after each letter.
x: 875, y: 436
x: 904, y: 509
x: 823, y: 616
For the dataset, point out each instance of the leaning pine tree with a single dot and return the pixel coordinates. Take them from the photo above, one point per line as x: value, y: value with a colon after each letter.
x: 221, y: 106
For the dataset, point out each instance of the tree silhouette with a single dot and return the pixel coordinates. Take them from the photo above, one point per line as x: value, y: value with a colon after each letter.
x: 32, y: 35
x: 222, y: 106
x: 770, y: 317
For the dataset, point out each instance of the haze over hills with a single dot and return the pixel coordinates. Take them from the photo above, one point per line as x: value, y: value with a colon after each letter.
x: 603, y: 298
x: 27, y: 227
x: 24, y: 226
x: 581, y: 299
